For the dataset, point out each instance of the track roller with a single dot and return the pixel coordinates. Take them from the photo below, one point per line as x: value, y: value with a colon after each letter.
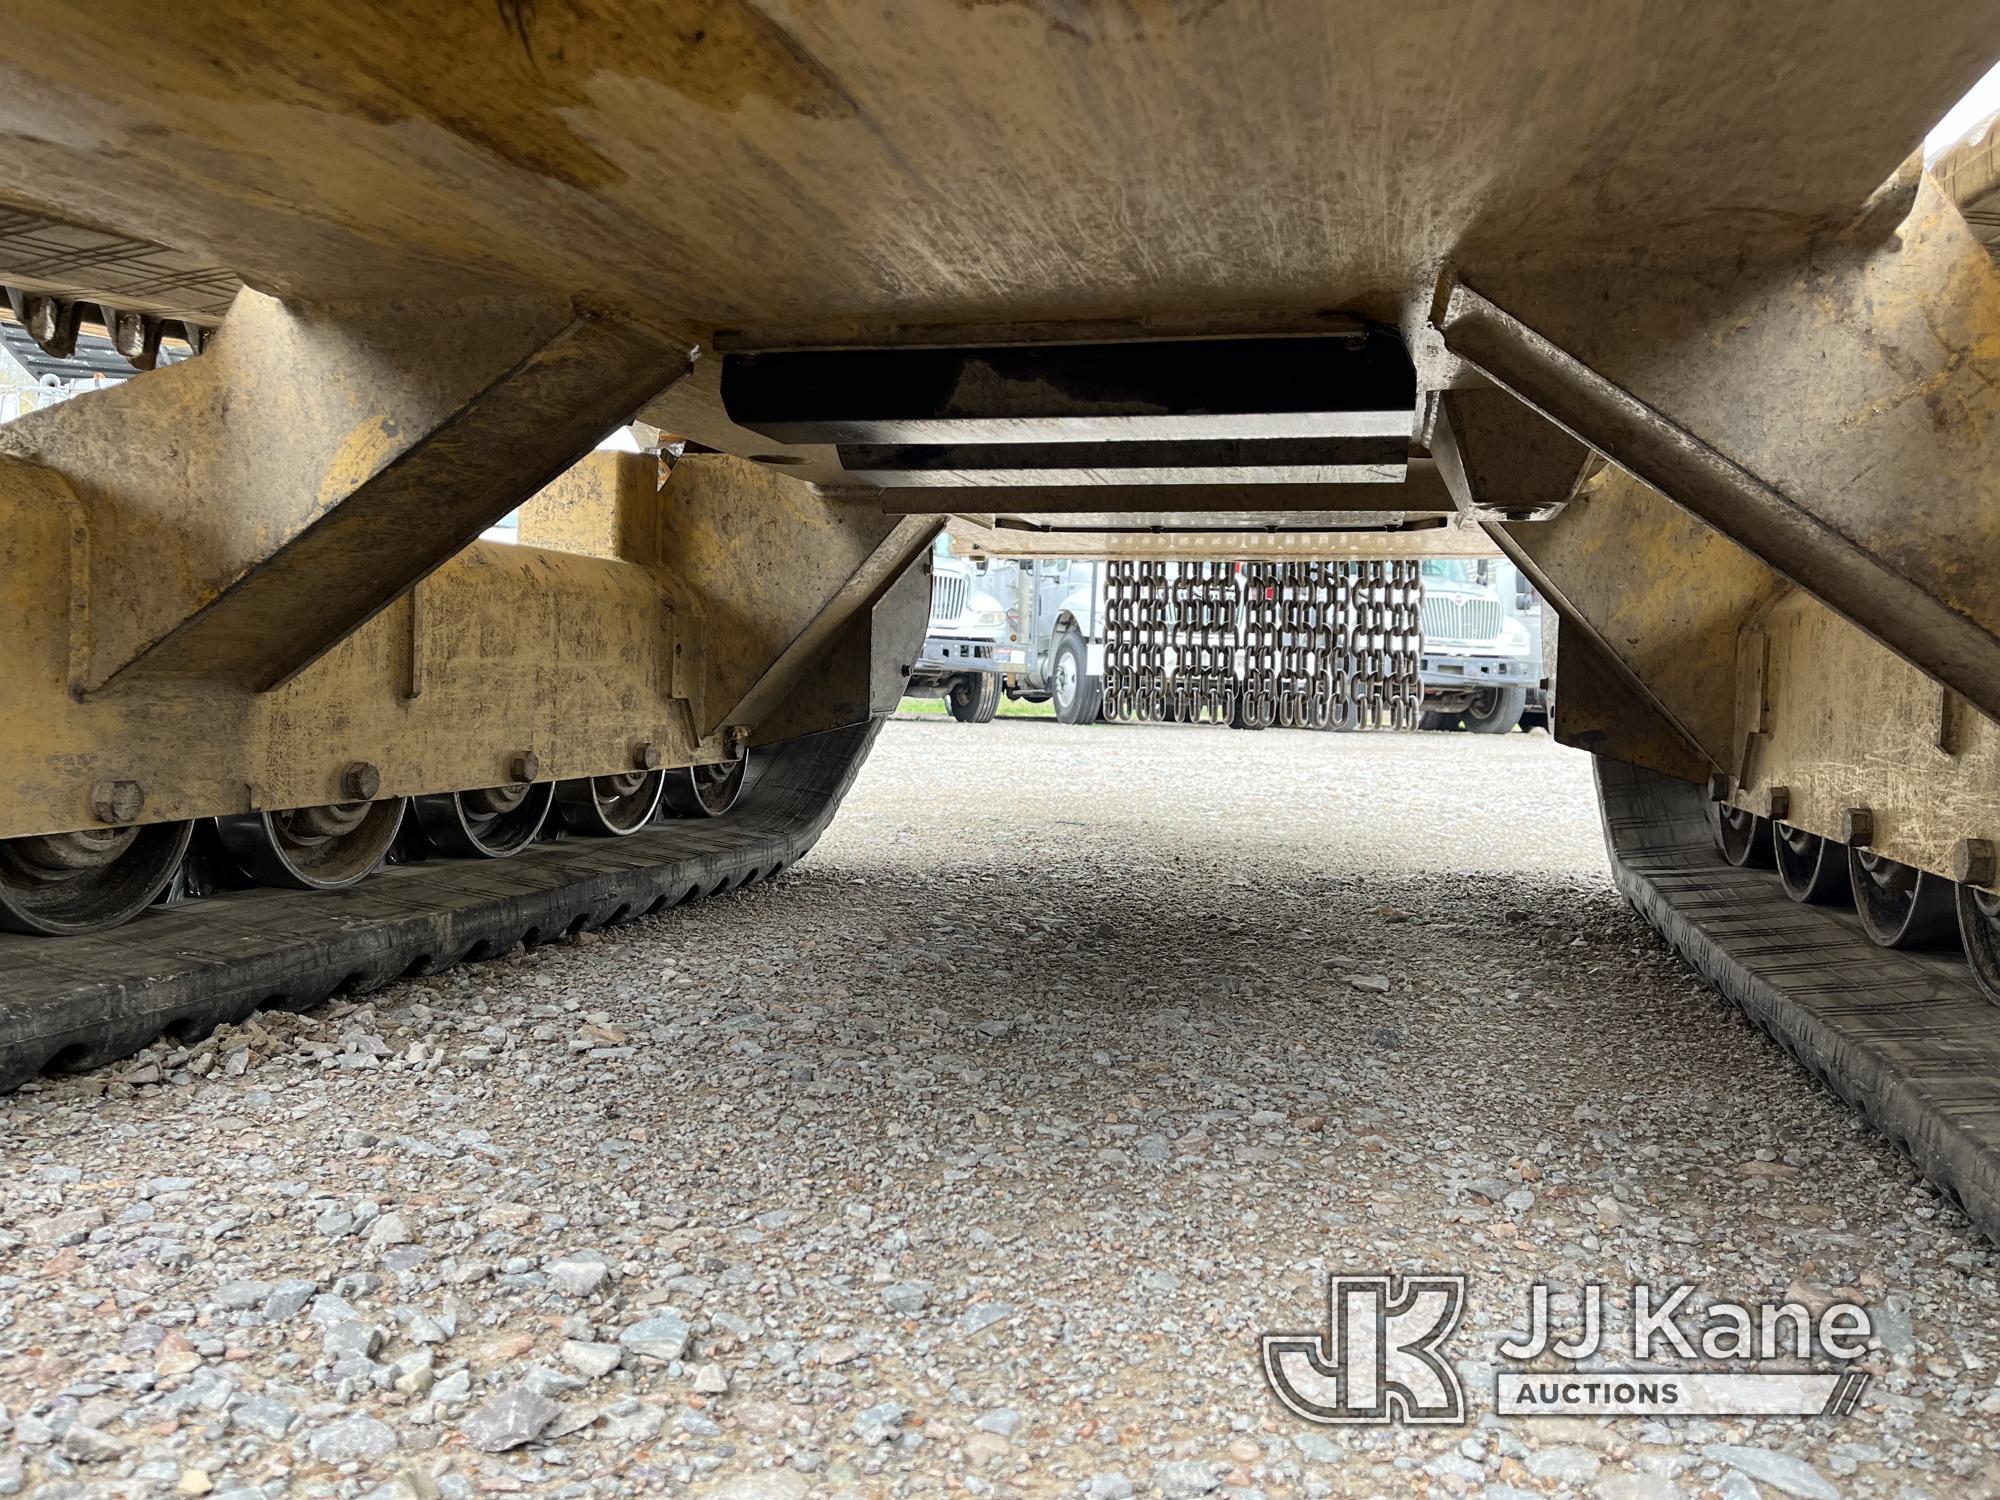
x: 1901, y: 907
x: 1979, y: 931
x: 59, y: 884
x: 312, y: 848
x: 609, y: 806
x: 1743, y: 837
x: 703, y: 791
x: 1812, y: 869
x: 491, y: 823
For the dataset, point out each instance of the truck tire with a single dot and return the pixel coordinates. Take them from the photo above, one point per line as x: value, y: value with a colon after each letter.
x: 974, y: 699
x: 1435, y: 719
x: 1077, y: 695
x: 1497, y: 710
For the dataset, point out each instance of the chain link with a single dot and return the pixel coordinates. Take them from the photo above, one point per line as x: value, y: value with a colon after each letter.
x: 1302, y: 645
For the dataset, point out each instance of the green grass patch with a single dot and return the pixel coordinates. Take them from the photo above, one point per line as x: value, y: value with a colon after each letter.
x: 1010, y: 708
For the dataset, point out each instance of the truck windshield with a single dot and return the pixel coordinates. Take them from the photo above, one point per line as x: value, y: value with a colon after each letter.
x: 1449, y: 569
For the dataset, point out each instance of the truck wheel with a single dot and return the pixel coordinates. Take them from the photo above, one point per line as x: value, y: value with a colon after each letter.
x: 975, y: 699
x: 1077, y: 694
x: 1496, y: 710
x: 1434, y: 719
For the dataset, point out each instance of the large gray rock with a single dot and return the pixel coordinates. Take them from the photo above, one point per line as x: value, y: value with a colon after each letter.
x: 510, y: 1419
x: 264, y: 1416
x: 1782, y: 1472
x: 579, y: 1276
x: 63, y: 1230
x: 414, y: 1373
x: 351, y: 1340
x: 711, y: 1380
x: 287, y: 1299
x: 1004, y: 1420
x: 592, y: 1361
x: 1186, y: 1478
x: 879, y: 1423
x: 352, y: 1439
x: 1565, y: 1465
x: 983, y: 1315
x: 1317, y: 1448
x: 87, y: 1445
x: 664, y: 1336
x: 328, y: 1310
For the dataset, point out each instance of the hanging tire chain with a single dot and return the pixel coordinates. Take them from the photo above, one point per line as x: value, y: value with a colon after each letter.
x: 1301, y: 645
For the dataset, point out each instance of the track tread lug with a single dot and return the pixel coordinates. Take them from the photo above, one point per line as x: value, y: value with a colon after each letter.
x: 1903, y: 1037
x: 77, y: 1003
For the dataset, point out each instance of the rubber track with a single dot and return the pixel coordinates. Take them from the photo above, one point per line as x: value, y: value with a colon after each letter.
x: 1906, y: 1039
x: 81, y: 1002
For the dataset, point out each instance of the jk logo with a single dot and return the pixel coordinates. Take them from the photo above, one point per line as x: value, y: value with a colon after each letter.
x: 1378, y: 1360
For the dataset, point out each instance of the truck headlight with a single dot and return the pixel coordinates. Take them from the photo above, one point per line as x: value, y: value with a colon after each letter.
x: 1513, y: 637
x: 990, y: 617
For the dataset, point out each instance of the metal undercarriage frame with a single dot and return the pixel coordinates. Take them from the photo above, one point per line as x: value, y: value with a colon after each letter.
x: 1731, y: 409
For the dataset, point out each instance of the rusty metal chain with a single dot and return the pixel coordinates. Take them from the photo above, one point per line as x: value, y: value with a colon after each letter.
x: 1383, y: 644
x: 1302, y: 645
x: 1202, y: 609
x: 1135, y: 640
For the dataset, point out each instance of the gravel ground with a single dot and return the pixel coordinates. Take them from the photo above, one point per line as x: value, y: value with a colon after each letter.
x: 973, y: 1155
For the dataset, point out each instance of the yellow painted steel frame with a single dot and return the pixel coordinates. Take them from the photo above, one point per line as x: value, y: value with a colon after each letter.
x: 1838, y: 721
x: 504, y: 649
x: 775, y: 569
x: 581, y: 650
x: 248, y: 509
x: 1702, y: 660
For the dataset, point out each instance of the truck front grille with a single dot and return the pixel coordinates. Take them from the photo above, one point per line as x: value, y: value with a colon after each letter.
x: 947, y: 597
x: 1471, y: 621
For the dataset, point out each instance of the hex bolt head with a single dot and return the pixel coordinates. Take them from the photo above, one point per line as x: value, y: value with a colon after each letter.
x: 646, y: 756
x: 361, y: 781
x: 117, y: 801
x: 1780, y: 802
x: 1857, y: 827
x: 1718, y: 781
x: 526, y: 766
x: 1973, y: 862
